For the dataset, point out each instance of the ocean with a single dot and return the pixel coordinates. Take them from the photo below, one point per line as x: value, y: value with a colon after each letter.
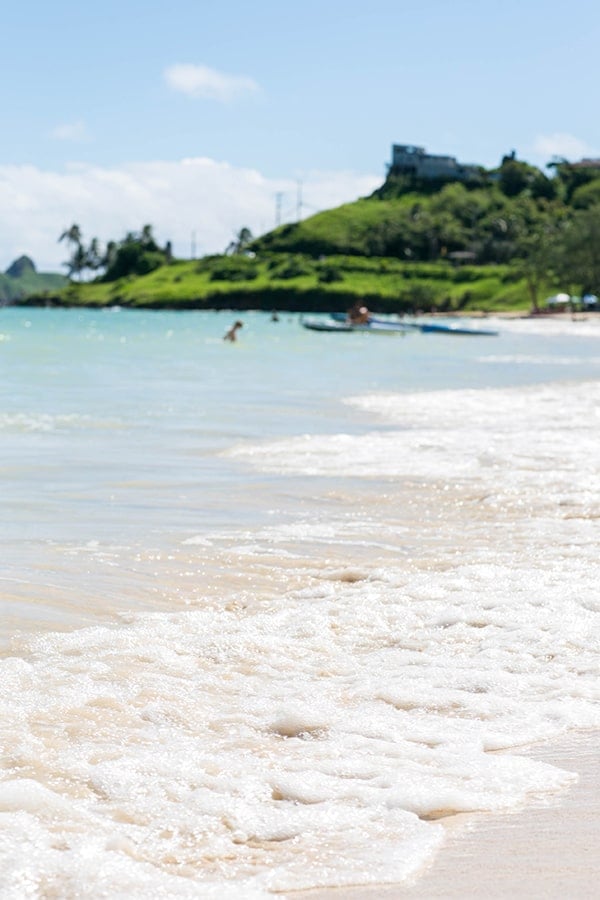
x: 270, y: 608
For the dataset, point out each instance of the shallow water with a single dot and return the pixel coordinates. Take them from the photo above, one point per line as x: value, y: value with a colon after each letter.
x: 267, y: 605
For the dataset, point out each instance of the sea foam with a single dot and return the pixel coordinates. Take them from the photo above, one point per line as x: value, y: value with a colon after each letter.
x: 442, y: 608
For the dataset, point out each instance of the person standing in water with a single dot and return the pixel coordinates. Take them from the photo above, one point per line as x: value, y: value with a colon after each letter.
x: 231, y: 335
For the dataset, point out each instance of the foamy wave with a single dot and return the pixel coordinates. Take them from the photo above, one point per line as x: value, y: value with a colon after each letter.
x: 307, y: 742
x: 536, y: 444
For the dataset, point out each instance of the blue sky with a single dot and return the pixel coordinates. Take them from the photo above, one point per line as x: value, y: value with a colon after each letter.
x: 194, y: 116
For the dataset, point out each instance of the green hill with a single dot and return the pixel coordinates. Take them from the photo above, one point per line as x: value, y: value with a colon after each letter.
x: 502, y: 240
x: 411, y: 220
x: 21, y: 280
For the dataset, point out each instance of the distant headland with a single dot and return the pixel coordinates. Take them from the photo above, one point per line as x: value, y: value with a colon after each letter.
x: 21, y: 279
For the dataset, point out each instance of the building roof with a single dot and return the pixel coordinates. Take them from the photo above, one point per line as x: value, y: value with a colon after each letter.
x: 587, y: 164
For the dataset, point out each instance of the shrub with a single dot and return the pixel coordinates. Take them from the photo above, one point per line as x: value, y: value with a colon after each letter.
x: 329, y: 274
x: 132, y: 259
x: 293, y: 267
x: 237, y: 268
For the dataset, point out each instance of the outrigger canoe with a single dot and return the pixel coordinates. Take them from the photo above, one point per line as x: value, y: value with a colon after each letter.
x: 425, y: 327
x: 372, y: 327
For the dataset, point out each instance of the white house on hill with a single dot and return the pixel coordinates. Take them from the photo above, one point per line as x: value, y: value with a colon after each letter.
x: 410, y: 160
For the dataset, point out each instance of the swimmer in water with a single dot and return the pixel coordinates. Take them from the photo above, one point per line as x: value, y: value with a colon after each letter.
x: 231, y: 335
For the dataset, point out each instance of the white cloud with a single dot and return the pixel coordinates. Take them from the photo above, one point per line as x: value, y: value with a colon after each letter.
x: 72, y: 131
x: 202, y: 82
x: 562, y: 145
x: 211, y: 199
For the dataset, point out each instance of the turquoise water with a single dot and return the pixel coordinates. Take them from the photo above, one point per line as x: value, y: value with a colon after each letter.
x: 267, y: 607
x: 113, y: 422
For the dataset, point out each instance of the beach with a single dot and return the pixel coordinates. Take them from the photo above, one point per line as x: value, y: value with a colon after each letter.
x: 547, y: 850
x: 297, y: 614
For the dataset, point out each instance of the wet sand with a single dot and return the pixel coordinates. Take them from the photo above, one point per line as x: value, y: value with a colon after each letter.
x: 548, y: 849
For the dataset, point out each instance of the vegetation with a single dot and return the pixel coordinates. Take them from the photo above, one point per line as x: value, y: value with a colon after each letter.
x: 136, y: 254
x: 502, y: 241
x: 386, y: 285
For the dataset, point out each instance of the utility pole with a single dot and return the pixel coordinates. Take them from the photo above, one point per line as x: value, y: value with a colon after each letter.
x: 278, y: 199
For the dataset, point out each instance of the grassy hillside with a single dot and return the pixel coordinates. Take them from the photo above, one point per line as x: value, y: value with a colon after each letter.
x: 297, y: 282
x: 426, y: 227
x: 354, y: 228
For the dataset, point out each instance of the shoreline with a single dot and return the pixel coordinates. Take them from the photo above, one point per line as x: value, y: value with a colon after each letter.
x: 197, y: 305
x: 546, y: 849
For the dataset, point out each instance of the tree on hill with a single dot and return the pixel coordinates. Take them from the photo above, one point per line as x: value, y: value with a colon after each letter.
x: 109, y: 255
x: 78, y: 261
x: 137, y: 254
x: 94, y: 255
x: 71, y: 235
x: 73, y: 238
x: 537, y: 251
x: 241, y: 242
x: 571, y: 177
x: 578, y: 254
x: 146, y: 239
x: 516, y: 176
x: 587, y: 194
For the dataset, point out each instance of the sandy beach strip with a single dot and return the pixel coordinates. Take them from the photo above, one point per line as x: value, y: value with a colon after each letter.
x: 549, y: 849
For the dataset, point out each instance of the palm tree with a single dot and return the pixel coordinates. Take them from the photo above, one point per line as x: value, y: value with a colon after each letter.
x: 78, y: 261
x: 110, y: 255
x: 94, y: 255
x: 241, y: 242
x: 147, y: 238
x: 73, y: 237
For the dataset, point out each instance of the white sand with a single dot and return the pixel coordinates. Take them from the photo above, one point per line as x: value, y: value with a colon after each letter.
x: 550, y: 849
